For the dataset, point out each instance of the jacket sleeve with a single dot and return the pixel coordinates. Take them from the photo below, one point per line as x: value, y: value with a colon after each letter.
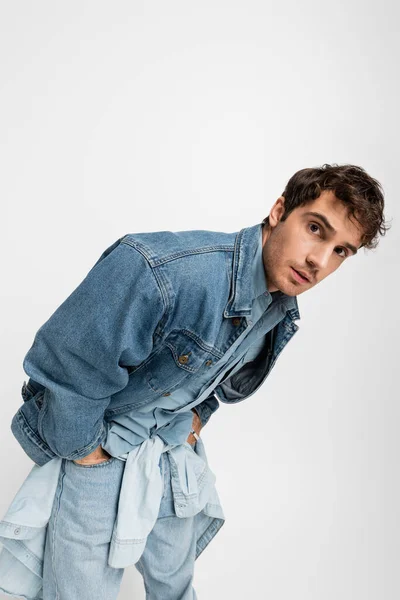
x: 79, y: 355
x: 206, y: 408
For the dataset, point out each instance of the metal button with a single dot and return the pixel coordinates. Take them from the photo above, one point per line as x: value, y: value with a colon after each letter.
x: 183, y: 359
x: 236, y: 321
x: 208, y: 363
x: 17, y: 530
x: 167, y: 394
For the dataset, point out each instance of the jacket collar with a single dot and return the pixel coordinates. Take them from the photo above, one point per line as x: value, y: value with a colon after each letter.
x: 242, y: 290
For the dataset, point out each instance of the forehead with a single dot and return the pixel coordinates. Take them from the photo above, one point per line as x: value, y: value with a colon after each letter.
x: 338, y: 215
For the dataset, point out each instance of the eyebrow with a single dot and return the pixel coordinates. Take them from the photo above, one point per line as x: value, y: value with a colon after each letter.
x: 325, y: 221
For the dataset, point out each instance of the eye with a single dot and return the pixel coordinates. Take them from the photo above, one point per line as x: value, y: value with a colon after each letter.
x: 314, y: 225
x: 343, y: 250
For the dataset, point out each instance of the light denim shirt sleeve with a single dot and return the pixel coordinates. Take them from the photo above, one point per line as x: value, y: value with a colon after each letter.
x: 138, y: 438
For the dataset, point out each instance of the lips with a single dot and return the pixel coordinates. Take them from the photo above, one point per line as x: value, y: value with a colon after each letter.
x: 300, y: 276
x: 303, y: 275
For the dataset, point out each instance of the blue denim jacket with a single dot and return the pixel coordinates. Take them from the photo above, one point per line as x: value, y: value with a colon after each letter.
x: 23, y: 529
x: 175, y: 304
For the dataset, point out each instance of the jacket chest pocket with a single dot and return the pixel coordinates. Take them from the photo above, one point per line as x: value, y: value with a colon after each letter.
x: 180, y: 356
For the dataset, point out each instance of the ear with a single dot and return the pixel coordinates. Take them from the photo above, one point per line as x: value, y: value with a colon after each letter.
x: 277, y: 211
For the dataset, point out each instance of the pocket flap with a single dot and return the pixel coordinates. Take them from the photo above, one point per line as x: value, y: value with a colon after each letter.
x: 188, y: 352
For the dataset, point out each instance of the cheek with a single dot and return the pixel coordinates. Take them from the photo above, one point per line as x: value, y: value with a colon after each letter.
x: 301, y: 247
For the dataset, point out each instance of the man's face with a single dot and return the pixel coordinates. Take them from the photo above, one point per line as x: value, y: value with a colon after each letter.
x: 305, y: 242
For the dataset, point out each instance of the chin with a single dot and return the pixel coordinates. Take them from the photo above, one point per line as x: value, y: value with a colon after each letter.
x: 287, y: 287
x: 291, y: 290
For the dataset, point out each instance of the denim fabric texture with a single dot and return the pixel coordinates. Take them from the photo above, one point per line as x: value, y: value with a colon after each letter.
x: 164, y: 322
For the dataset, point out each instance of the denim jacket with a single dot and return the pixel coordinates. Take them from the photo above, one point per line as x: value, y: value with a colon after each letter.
x: 156, y: 309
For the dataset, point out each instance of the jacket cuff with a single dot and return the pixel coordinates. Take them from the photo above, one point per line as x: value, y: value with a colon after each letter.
x: 206, y: 408
x: 21, y: 427
x: 25, y: 427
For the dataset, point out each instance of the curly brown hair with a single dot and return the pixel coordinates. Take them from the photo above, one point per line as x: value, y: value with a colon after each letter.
x: 352, y: 185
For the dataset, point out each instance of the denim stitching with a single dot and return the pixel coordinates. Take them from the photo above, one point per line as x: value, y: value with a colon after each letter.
x: 53, y: 558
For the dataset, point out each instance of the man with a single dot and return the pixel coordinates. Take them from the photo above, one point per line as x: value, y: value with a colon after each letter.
x: 164, y: 327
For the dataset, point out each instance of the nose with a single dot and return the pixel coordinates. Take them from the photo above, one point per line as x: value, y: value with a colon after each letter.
x: 319, y: 257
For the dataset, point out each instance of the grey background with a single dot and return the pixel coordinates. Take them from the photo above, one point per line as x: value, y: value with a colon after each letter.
x: 120, y: 117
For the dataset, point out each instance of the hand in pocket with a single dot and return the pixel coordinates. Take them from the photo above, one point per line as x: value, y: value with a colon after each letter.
x: 97, y: 456
x: 196, y: 425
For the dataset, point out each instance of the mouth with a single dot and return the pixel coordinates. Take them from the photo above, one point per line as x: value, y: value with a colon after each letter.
x: 299, y: 277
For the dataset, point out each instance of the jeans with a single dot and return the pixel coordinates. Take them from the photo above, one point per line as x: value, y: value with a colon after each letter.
x: 80, y: 529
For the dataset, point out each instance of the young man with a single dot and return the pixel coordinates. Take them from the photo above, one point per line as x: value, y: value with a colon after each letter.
x: 133, y: 364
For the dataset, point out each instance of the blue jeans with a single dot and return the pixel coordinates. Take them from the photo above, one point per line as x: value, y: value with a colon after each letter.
x: 80, y: 529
